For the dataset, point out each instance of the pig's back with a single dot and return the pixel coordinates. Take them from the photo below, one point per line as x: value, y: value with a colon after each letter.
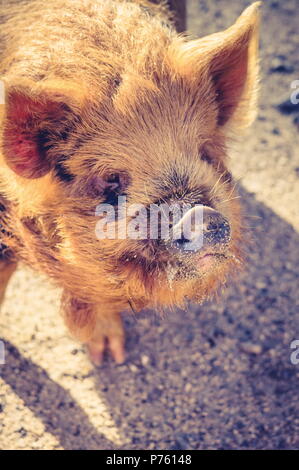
x: 80, y: 39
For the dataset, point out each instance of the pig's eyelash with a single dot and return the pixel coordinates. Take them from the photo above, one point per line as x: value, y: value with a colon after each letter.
x: 204, y: 156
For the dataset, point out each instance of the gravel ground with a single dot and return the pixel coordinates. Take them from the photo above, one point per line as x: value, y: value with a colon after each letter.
x: 217, y: 376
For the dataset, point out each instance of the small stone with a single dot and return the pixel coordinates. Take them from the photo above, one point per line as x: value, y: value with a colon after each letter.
x: 133, y: 368
x: 261, y: 285
x: 145, y: 360
x: 22, y: 432
x: 251, y: 348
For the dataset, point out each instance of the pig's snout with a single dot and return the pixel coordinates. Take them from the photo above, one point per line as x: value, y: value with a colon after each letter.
x: 201, y: 227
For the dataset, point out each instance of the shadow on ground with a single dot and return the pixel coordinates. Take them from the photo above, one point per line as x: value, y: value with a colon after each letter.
x: 50, y: 402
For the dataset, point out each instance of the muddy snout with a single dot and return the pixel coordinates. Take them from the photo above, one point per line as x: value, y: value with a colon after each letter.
x: 200, y: 228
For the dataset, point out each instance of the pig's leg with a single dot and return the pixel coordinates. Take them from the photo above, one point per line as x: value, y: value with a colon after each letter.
x: 7, y: 268
x: 108, y: 334
x: 98, y: 326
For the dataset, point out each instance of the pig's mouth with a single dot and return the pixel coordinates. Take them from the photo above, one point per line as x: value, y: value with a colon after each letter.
x: 176, y: 266
x: 211, y: 257
x: 196, y: 266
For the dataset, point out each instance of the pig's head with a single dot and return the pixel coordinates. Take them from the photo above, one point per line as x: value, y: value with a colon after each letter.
x: 151, y: 135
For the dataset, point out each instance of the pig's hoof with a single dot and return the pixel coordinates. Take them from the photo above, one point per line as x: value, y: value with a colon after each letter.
x: 113, y: 343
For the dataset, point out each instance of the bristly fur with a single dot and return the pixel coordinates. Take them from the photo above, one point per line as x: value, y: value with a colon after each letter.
x: 97, y: 88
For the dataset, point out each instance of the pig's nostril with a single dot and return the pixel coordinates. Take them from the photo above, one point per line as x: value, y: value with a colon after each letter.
x: 181, y: 242
x: 217, y: 232
x: 212, y: 226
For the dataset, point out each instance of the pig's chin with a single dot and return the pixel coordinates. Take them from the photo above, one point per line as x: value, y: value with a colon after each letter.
x: 196, y: 266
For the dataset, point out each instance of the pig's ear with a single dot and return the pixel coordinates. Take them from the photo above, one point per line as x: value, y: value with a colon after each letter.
x: 230, y: 60
x: 34, y: 117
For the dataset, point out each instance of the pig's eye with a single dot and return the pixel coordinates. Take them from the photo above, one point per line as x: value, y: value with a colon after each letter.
x: 107, y: 187
x: 206, y: 157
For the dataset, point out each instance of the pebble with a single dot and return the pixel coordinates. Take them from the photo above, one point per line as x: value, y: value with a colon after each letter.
x: 145, y: 360
x: 251, y: 348
x: 261, y: 285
